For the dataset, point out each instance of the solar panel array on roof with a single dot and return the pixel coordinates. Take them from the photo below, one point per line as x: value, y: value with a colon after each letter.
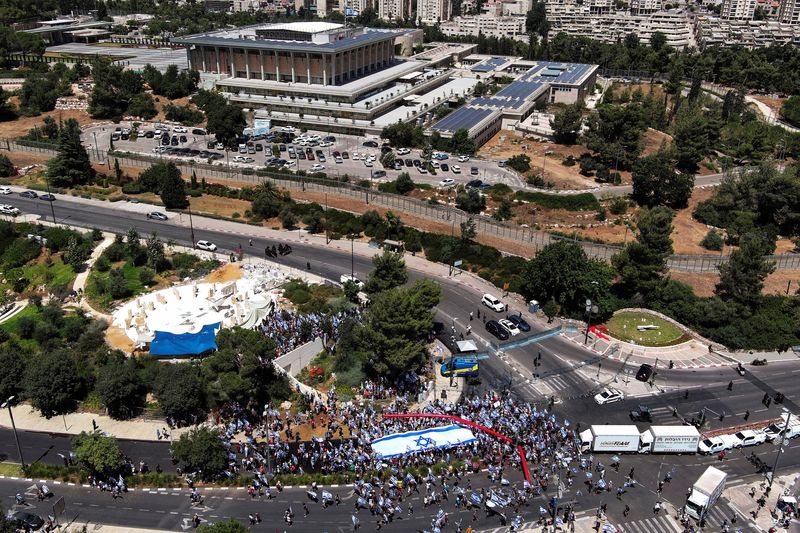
x: 499, y: 102
x: 521, y: 89
x: 465, y: 117
x: 490, y: 64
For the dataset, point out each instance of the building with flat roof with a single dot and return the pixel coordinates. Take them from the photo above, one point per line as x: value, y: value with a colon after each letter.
x: 485, y: 24
x: 738, y: 9
x: 70, y: 30
x: 713, y: 31
x: 544, y: 81
x: 789, y: 11
x: 433, y: 11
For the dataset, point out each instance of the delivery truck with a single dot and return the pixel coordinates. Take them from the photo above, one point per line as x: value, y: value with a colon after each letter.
x: 671, y: 439
x: 705, y: 492
x: 618, y: 439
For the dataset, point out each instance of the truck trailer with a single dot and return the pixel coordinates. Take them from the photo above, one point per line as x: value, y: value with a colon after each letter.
x: 611, y: 439
x: 671, y: 439
x: 705, y: 492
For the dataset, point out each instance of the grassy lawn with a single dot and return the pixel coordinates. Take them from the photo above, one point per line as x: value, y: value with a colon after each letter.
x: 104, y: 301
x: 10, y: 325
x: 11, y: 469
x: 56, y: 274
x: 623, y: 326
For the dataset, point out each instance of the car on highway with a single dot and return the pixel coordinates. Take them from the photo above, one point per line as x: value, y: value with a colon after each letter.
x: 317, y: 167
x: 447, y: 182
x: 494, y: 327
x: 156, y: 215
x: 493, y: 303
x: 26, y: 521
x: 206, y: 245
x: 717, y: 444
x: 9, y: 210
x: 48, y: 197
x: 344, y: 278
x: 29, y: 194
x: 608, y: 395
x: 5, y: 189
x: 750, y: 437
x: 509, y: 326
x: 520, y: 322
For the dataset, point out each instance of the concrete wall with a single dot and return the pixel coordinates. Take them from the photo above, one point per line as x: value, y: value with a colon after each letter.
x: 296, y: 360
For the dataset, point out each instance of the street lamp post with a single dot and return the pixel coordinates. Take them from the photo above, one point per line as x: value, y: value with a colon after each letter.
x: 7, y: 404
x: 352, y: 257
x: 590, y: 309
x: 191, y: 225
x: 780, y: 437
x: 52, y: 209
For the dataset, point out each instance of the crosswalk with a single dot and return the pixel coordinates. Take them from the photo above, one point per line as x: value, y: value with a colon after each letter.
x: 665, y: 523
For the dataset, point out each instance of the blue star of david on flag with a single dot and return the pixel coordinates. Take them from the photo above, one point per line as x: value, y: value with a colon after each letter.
x: 424, y: 442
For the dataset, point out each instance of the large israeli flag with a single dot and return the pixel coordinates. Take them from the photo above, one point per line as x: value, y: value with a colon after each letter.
x: 418, y: 441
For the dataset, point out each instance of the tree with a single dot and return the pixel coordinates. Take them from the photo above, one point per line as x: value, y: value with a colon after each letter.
x: 288, y: 218
x: 102, y: 10
x: 314, y: 222
x: 713, y: 241
x: 741, y: 277
x: 642, y: 263
x: 179, y: 392
x: 120, y: 387
x: 13, y: 366
x: 563, y: 272
x: 267, y: 200
x: 226, y: 122
x: 790, y: 110
x: 7, y: 168
x: 142, y: 106
x: 615, y: 134
x: 201, y: 450
x: 567, y: 123
x: 75, y: 254
x: 52, y: 383
x: 690, y: 138
x: 98, y: 453
x: 657, y: 40
x: 468, y: 230
x: 655, y: 182
x: 389, y: 271
x: 117, y: 284
x: 114, y: 89
x: 551, y: 309
x: 173, y: 189
x: 7, y: 111
x: 519, y: 162
x: 404, y: 184
x: 462, y: 143
x: 396, y: 326
x: 503, y: 211
x: 536, y: 19
x: 156, y: 259
x: 471, y: 201
x: 71, y: 166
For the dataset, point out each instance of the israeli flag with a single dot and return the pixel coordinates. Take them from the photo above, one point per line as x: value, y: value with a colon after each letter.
x: 418, y: 441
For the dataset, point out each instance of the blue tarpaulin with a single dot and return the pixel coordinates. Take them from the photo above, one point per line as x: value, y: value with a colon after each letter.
x: 166, y: 343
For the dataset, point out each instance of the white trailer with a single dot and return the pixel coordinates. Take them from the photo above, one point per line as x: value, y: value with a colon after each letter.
x: 604, y: 438
x: 671, y: 439
x: 705, y: 492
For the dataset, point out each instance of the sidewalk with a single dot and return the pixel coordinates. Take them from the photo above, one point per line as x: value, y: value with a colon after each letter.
x: 745, y: 505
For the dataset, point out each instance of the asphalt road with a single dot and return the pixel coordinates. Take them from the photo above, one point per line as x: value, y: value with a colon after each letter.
x: 707, y: 388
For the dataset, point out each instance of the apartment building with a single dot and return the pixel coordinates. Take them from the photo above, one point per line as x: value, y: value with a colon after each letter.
x: 433, y: 11
x: 789, y: 12
x: 714, y: 31
x: 738, y: 9
x: 506, y: 8
x: 646, y: 7
x: 486, y: 24
x: 394, y: 9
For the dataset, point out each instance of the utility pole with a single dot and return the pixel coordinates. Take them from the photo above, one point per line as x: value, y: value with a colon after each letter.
x: 788, y: 416
x: 191, y: 225
x: 7, y: 404
x: 269, y: 462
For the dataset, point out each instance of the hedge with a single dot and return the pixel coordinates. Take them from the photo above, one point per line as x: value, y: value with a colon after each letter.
x: 571, y: 202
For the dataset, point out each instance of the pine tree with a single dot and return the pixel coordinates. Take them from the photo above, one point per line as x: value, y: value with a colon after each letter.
x: 71, y: 165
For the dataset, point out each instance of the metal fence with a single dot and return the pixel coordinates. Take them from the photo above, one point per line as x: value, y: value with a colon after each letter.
x: 527, y: 240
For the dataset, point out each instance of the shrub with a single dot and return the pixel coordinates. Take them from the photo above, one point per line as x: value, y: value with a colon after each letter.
x: 26, y: 325
x: 146, y: 276
x: 102, y: 264
x: 618, y: 205
x: 20, y: 252
x: 568, y: 161
x: 570, y: 202
x: 713, y: 241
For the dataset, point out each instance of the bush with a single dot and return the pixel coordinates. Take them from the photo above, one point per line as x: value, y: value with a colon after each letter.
x: 6, y: 167
x: 618, y: 205
x: 570, y: 202
x: 146, y: 276
x: 183, y: 114
x: 102, y: 264
x: 20, y: 252
x: 26, y: 325
x: 568, y: 161
x: 713, y: 241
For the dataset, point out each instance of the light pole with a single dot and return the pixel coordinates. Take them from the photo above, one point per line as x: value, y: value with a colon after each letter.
x: 7, y: 404
x: 590, y: 309
x: 191, y: 225
x: 780, y: 437
x: 352, y: 257
x: 52, y: 209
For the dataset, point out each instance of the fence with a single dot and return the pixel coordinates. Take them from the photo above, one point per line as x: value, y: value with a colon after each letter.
x: 527, y: 240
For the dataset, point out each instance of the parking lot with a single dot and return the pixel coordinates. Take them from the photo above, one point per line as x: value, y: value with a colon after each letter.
x: 354, y: 158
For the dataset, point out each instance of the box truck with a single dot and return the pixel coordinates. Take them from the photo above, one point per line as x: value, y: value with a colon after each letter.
x: 611, y: 439
x: 705, y: 492
x: 671, y: 439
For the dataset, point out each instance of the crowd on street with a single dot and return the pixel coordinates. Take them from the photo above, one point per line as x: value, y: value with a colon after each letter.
x: 291, y: 329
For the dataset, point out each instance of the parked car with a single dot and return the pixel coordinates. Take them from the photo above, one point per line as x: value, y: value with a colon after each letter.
x: 206, y: 245
x: 317, y: 167
x: 9, y: 210
x: 26, y: 521
x: 463, y: 158
x: 713, y: 445
x: 370, y: 144
x: 5, y: 189
x: 509, y: 326
x: 447, y: 182
x: 344, y: 278
x: 456, y: 169
x: 403, y: 151
x: 29, y: 194
x: 750, y: 437
x: 493, y: 303
x: 608, y: 396
x: 520, y: 322
x: 494, y: 327
x: 156, y: 215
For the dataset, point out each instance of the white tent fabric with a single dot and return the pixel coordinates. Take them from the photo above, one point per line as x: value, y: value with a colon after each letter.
x: 418, y: 441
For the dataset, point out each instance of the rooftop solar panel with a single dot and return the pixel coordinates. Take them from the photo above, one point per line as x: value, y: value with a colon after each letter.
x: 465, y: 117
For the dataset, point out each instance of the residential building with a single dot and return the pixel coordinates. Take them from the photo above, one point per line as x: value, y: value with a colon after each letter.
x: 738, y: 9
x: 646, y: 7
x: 714, y: 31
x: 488, y: 25
x: 789, y: 11
x: 433, y: 11
x: 394, y: 9
x: 352, y: 8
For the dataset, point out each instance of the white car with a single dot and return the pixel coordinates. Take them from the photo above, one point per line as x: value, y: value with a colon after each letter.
x: 288, y: 129
x: 317, y: 167
x: 207, y: 245
x: 608, y: 396
x: 347, y: 277
x: 509, y: 326
x: 463, y: 158
x: 9, y: 210
x: 290, y: 163
x: 493, y: 303
x: 717, y: 444
x: 750, y: 437
x: 5, y: 189
x: 219, y: 146
x: 447, y: 182
x: 179, y: 129
x: 422, y: 170
x: 456, y: 169
x: 403, y: 151
x: 368, y: 163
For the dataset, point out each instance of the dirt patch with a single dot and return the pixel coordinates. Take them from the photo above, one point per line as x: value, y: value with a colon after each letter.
x: 21, y: 126
x: 775, y: 284
x: 774, y: 104
x: 218, y: 205
x: 229, y: 272
x: 118, y: 339
x: 657, y: 90
x: 654, y: 140
x: 689, y: 232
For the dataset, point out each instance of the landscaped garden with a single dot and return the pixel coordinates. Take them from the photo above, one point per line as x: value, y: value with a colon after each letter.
x: 645, y: 329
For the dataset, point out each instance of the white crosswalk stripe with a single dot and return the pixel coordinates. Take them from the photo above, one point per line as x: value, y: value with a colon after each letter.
x: 716, y: 516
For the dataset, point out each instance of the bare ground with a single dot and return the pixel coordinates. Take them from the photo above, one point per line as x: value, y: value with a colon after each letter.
x: 776, y: 283
x: 21, y: 126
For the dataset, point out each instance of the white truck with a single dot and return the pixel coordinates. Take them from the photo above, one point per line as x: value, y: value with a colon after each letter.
x: 611, y: 439
x: 671, y: 439
x: 705, y: 492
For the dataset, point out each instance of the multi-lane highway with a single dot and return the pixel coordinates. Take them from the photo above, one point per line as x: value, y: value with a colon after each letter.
x: 567, y: 372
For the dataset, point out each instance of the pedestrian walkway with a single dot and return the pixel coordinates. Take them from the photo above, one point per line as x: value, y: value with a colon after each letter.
x: 718, y: 515
x: 744, y: 498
